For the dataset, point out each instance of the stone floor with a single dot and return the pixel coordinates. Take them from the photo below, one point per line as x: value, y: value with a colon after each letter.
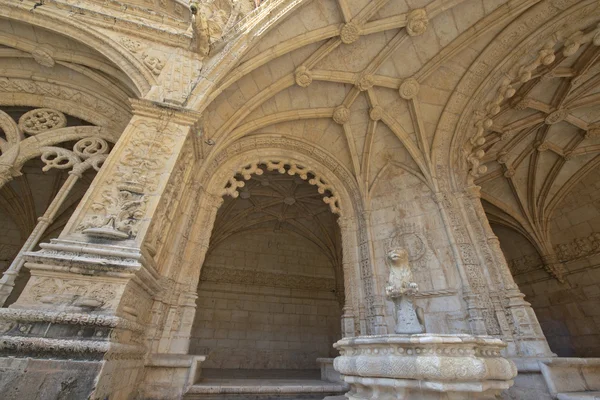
x: 264, y: 385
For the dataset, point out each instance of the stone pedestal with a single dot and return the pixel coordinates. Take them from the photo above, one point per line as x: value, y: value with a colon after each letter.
x: 424, y: 367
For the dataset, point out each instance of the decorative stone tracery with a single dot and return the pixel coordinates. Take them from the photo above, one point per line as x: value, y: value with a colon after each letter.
x: 284, y: 167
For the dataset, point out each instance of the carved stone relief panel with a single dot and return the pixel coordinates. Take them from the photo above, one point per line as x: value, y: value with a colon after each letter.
x: 137, y: 173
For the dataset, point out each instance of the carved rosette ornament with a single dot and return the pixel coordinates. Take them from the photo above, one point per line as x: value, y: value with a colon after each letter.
x: 350, y: 33
x: 365, y: 82
x: 417, y: 22
x: 341, y: 114
x: 303, y: 76
x: 409, y: 89
x: 376, y: 113
x: 41, y: 120
x: 556, y: 117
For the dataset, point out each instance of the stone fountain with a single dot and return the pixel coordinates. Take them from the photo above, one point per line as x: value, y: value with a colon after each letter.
x: 414, y: 365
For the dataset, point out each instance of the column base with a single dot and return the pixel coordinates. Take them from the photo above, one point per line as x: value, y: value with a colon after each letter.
x: 424, y: 367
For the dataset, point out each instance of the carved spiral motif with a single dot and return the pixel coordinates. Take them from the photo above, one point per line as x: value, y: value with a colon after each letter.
x: 89, y: 147
x: 56, y: 157
x: 350, y: 33
x: 303, y: 76
x: 409, y: 88
x: 41, y: 120
x: 341, y: 115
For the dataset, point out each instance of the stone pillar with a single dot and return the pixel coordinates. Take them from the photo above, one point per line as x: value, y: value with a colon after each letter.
x: 518, y: 323
x: 91, y: 291
x: 374, y: 296
x: 350, y: 321
x: 472, y: 278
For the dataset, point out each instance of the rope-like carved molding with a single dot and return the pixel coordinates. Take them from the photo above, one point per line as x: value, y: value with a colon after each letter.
x: 546, y: 56
x: 102, y: 321
x: 436, y: 293
x: 270, y: 279
x: 71, y: 347
x: 283, y: 167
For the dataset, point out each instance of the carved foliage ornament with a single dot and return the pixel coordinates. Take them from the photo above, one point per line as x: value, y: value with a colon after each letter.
x: 289, y: 167
x: 116, y: 215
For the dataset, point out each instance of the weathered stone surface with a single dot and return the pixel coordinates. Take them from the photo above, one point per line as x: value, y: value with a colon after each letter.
x: 27, y: 378
x: 228, y: 177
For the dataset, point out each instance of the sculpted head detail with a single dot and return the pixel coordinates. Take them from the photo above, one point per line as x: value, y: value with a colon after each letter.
x: 397, y: 256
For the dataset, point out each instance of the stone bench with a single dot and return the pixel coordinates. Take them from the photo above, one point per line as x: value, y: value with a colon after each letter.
x: 572, y: 378
x: 579, y: 396
x: 328, y: 373
x: 169, y: 376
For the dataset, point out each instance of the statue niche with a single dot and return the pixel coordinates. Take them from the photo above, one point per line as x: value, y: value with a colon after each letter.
x: 401, y: 289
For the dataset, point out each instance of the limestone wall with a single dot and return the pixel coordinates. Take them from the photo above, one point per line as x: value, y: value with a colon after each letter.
x: 266, y: 301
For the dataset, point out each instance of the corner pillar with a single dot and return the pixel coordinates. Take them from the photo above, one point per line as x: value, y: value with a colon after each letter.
x: 89, y: 299
x: 519, y: 325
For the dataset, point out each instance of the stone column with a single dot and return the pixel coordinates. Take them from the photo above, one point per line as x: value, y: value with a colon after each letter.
x: 350, y: 321
x: 186, y: 258
x: 91, y: 290
x: 471, y: 276
x: 517, y: 320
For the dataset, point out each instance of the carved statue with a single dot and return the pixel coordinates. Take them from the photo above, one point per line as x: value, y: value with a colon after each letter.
x: 401, y: 289
x: 211, y: 19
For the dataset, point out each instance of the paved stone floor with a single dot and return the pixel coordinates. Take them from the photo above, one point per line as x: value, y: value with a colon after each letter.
x: 264, y: 385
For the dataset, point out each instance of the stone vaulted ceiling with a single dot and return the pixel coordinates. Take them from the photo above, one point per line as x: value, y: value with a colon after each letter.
x: 274, y: 202
x: 544, y: 138
x: 382, y: 85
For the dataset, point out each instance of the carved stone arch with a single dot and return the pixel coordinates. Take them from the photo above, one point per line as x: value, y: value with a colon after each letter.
x: 361, y: 312
x: 76, y: 101
x: 486, y: 74
x: 12, y: 161
x: 44, y: 18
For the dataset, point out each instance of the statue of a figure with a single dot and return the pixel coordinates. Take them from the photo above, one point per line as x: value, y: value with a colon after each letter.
x: 211, y: 19
x: 401, y: 289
